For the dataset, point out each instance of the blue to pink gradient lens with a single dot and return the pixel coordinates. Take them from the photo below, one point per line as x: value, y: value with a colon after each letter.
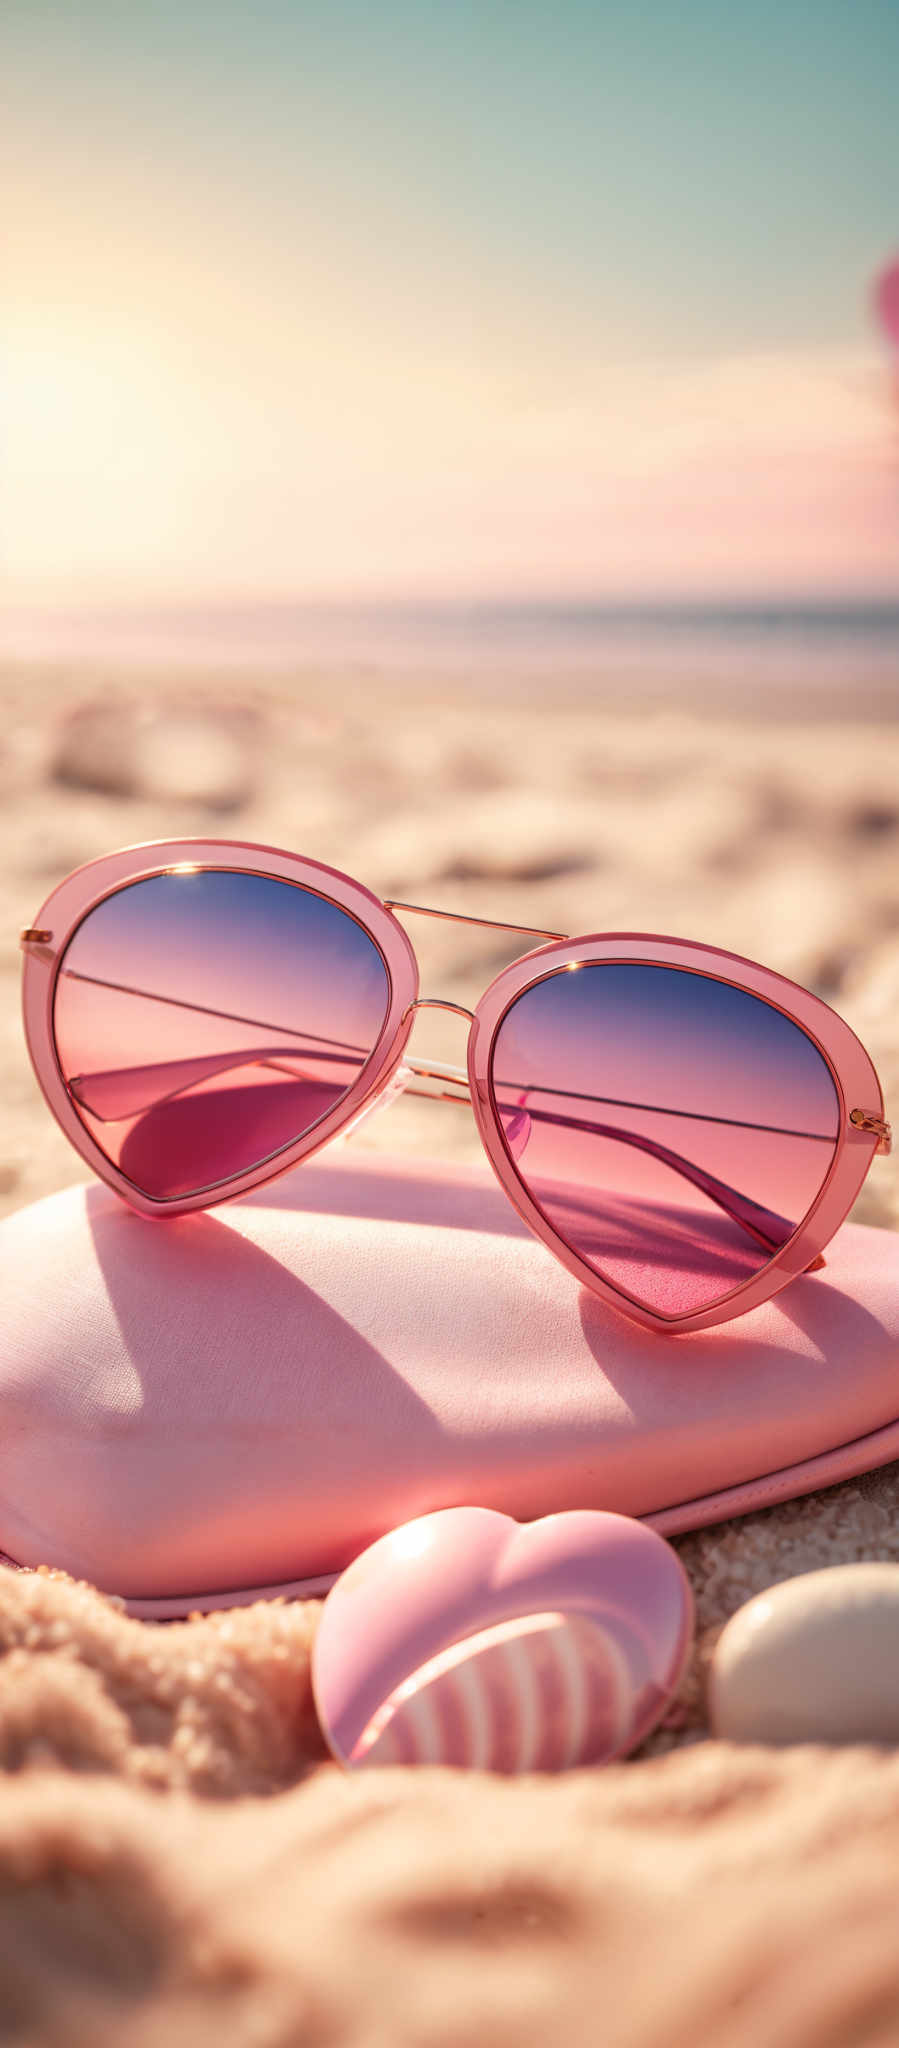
x: 206, y: 1018
x: 673, y: 1129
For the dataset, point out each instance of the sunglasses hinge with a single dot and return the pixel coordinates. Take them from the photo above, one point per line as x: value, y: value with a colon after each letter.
x: 864, y: 1121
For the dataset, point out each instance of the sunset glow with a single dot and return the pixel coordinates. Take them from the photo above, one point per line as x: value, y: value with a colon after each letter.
x: 262, y: 339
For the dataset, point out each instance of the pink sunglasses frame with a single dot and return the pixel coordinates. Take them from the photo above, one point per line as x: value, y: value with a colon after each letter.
x: 862, y: 1129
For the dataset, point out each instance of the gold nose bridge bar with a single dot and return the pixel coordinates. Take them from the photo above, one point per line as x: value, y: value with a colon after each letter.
x: 436, y: 1070
x: 450, y: 1079
x: 437, y: 1003
x: 493, y: 924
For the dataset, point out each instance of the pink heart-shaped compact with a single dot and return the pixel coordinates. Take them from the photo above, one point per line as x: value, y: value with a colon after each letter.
x: 468, y: 1638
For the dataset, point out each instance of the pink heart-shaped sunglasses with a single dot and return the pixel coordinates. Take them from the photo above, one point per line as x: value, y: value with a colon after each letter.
x: 684, y: 1130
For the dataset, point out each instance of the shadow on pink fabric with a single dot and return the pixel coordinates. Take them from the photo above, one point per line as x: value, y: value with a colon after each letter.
x: 238, y: 1401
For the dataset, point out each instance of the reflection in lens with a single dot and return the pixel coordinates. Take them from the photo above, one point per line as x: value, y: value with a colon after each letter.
x: 207, y: 1018
x: 677, y: 1129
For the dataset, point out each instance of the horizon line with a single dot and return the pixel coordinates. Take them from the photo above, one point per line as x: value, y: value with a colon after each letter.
x: 873, y: 601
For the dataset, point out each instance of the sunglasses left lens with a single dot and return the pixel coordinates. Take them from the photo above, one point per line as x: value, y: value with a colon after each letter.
x: 205, y: 1019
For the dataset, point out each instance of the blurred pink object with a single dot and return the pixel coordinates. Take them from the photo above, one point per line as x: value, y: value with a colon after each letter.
x: 886, y: 299
x: 468, y: 1638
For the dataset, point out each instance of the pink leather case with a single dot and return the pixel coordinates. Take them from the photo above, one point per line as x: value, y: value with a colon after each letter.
x: 233, y: 1403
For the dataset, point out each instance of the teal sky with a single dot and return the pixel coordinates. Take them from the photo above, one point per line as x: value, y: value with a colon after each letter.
x: 681, y: 172
x: 519, y: 194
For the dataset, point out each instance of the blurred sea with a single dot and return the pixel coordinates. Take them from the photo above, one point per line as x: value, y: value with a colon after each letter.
x: 844, y: 655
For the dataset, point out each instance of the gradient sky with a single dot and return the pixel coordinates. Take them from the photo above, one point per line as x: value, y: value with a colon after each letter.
x: 472, y: 296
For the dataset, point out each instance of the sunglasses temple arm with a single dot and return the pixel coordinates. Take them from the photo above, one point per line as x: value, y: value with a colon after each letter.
x: 120, y: 1092
x: 125, y: 1092
x: 765, y: 1225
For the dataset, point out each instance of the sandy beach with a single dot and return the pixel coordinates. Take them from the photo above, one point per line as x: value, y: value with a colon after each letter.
x: 459, y: 446
x: 771, y: 834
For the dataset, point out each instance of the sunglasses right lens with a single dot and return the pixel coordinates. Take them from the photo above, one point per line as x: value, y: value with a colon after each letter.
x: 207, y: 1018
x: 673, y: 1129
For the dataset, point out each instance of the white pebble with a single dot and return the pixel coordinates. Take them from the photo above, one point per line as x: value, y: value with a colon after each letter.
x: 813, y: 1660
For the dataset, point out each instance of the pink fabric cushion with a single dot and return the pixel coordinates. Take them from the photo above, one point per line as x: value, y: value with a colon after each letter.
x: 244, y: 1399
